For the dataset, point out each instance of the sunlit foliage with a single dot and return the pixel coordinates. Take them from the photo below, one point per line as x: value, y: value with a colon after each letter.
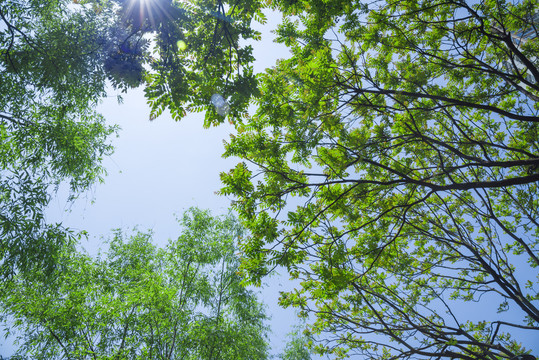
x: 406, y: 132
x: 138, y: 301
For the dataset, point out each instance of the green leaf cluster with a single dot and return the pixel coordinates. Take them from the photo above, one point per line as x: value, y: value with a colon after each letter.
x: 138, y: 301
x: 53, y: 57
x: 214, y: 57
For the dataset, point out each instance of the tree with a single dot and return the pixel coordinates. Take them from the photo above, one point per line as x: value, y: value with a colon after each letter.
x: 203, y: 49
x: 53, y: 61
x: 406, y: 132
x: 297, y: 347
x: 185, y: 301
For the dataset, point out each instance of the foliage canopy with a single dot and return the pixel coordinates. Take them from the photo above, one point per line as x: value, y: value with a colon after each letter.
x: 203, y: 48
x: 137, y: 301
x: 52, y: 58
x: 406, y: 132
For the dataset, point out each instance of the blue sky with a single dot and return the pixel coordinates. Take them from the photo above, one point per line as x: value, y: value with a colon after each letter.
x: 160, y: 169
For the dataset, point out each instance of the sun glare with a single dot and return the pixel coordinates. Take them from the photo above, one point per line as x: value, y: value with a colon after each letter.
x: 147, y: 12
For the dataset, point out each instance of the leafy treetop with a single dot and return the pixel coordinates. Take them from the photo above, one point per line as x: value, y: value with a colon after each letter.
x: 407, y: 134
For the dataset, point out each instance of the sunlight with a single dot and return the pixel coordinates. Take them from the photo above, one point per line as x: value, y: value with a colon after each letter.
x: 146, y: 13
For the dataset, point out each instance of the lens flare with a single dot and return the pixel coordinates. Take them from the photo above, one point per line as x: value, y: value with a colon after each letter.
x: 221, y: 105
x: 182, y: 46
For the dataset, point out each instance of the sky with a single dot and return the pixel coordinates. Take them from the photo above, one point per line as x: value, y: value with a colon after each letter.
x: 159, y: 170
